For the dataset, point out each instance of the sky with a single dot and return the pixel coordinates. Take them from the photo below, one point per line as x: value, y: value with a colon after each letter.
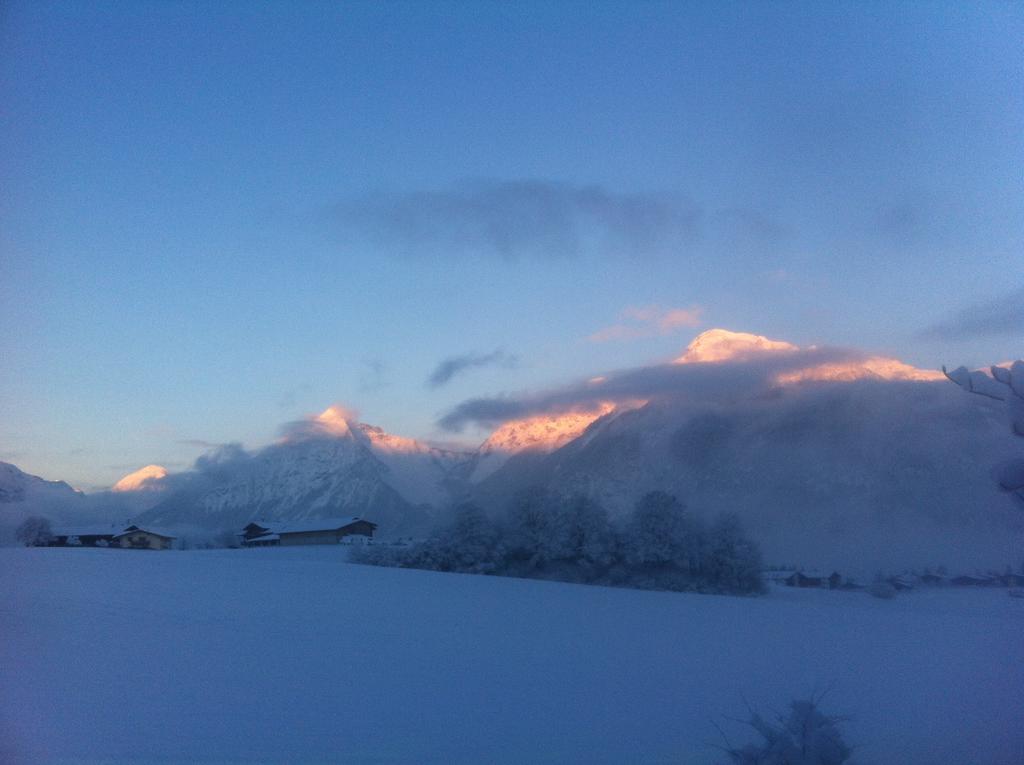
x: 219, y: 217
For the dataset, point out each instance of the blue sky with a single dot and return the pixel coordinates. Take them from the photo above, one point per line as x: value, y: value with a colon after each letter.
x: 217, y: 218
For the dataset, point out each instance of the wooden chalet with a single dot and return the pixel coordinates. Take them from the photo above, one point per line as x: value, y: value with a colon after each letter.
x: 322, y: 531
x: 138, y: 538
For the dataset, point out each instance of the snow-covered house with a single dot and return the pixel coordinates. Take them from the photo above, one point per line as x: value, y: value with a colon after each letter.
x: 137, y: 538
x: 322, y: 531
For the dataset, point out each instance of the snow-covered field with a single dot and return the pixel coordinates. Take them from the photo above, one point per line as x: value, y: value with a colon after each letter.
x: 292, y: 655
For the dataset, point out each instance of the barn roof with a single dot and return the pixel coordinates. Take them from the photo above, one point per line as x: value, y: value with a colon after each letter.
x: 264, y: 538
x: 86, y: 531
x: 316, y: 524
x: 138, y: 529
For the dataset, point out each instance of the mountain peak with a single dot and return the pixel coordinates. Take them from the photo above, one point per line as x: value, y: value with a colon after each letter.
x: 335, y: 420
x: 143, y: 479
x: 725, y: 345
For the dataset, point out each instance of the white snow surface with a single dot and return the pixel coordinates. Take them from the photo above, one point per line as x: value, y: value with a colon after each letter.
x: 293, y: 655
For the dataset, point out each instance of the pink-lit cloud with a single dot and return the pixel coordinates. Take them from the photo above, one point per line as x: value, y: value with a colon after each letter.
x: 648, y: 321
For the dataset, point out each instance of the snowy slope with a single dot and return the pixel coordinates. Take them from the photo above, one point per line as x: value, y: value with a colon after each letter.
x: 16, y: 486
x: 289, y: 655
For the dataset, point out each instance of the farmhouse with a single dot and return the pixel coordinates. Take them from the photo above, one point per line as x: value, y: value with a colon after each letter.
x: 322, y: 531
x: 137, y: 538
x: 86, y: 536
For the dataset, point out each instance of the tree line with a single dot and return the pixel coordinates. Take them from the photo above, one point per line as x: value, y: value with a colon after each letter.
x: 660, y: 546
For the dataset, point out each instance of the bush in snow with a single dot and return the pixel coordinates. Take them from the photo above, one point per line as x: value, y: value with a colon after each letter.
x: 34, y: 532
x: 803, y: 737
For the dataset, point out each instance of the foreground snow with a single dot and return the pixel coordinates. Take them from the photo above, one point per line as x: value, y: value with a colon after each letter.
x: 292, y: 655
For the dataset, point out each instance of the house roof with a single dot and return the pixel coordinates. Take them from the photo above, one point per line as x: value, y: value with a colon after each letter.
x: 140, y: 530
x: 316, y: 524
x: 86, y: 531
x: 264, y: 538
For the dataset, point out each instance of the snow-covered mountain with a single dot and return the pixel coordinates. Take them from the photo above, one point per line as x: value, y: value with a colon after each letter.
x: 849, y: 458
x: 329, y: 466
x: 18, y: 488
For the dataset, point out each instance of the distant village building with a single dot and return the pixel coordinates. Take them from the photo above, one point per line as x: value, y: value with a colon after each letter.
x: 1010, y: 579
x: 137, y: 538
x: 806, y: 579
x: 323, y: 531
x: 903, y: 582
x: 975, y: 580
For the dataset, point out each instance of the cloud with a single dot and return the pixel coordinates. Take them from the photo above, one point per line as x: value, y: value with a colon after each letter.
x: 200, y: 443
x: 456, y: 365
x: 518, y: 219
x: 373, y: 376
x: 717, y: 382
x: 648, y: 321
x: 999, y: 317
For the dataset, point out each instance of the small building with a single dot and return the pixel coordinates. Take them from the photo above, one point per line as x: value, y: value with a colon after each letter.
x: 1010, y: 579
x: 974, y: 580
x: 903, y: 582
x: 806, y: 579
x: 85, y: 536
x: 777, y: 576
x: 137, y: 538
x: 835, y: 580
x: 322, y: 531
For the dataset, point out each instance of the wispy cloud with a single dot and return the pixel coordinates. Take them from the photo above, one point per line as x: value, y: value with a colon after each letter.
x: 453, y: 366
x: 648, y: 321
x: 694, y: 382
x: 999, y: 317
x: 518, y: 219
x: 373, y: 376
x: 199, y: 443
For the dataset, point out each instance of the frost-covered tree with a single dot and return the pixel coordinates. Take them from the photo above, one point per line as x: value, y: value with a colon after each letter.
x: 803, y: 737
x: 1005, y: 385
x: 732, y: 562
x: 529, y: 527
x: 658, y: 532
x: 34, y: 532
x: 470, y: 543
